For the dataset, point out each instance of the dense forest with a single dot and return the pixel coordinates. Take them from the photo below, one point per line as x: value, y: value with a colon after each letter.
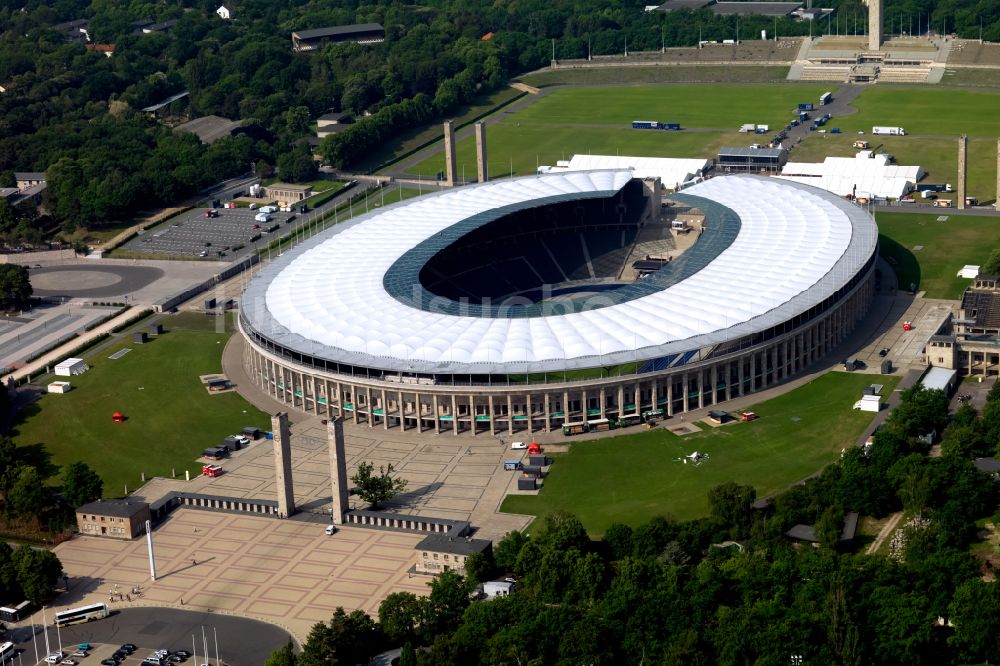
x: 730, y: 588
x: 75, y: 114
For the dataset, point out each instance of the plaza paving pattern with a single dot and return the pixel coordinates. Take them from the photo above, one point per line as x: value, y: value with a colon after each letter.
x: 285, y: 572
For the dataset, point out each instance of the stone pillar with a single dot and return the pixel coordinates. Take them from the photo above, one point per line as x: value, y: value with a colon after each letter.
x: 450, y: 164
x: 963, y: 151
x: 283, y: 464
x: 480, y: 131
x: 338, y: 468
x: 874, y: 25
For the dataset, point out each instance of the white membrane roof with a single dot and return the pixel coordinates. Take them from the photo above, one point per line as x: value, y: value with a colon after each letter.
x: 796, y: 246
x: 672, y: 171
x: 865, y: 175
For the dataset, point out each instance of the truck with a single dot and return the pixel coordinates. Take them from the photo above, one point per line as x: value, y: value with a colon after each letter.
x: 748, y: 127
x: 826, y: 98
x: 762, y: 128
x: 806, y: 106
x: 262, y: 217
x: 834, y: 130
x: 861, y: 145
x: 803, y: 116
x: 645, y: 124
x: 889, y: 131
x: 671, y: 126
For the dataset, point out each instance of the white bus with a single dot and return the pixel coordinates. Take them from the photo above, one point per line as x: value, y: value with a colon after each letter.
x: 826, y: 98
x: 82, y: 614
x: 7, y: 651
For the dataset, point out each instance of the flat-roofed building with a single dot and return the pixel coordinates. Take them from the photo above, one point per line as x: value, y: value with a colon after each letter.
x: 286, y: 193
x: 752, y: 159
x: 116, y: 519
x: 359, y: 33
x: 439, y: 553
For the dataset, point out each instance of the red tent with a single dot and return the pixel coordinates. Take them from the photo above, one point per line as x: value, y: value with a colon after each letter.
x: 118, y: 417
x: 534, y: 448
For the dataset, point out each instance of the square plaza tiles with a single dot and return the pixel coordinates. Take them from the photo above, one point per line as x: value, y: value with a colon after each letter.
x: 288, y: 573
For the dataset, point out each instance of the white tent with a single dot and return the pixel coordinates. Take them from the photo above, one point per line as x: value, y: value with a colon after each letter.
x: 969, y: 271
x: 673, y: 172
x: 864, y: 175
x: 71, y: 366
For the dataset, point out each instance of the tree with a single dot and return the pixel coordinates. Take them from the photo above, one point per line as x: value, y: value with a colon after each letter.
x: 347, y: 640
x: 731, y: 504
x: 619, y: 540
x: 38, y: 571
x: 15, y: 287
x: 81, y: 484
x: 400, y: 615
x: 479, y: 567
x: 506, y: 552
x: 992, y: 265
x: 26, y: 496
x: 974, y: 612
x: 283, y: 656
x: 828, y: 527
x: 377, y: 489
x: 449, y: 597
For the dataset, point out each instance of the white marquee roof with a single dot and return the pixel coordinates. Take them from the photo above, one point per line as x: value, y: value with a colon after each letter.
x: 672, y: 171
x: 796, y: 246
x: 864, y: 174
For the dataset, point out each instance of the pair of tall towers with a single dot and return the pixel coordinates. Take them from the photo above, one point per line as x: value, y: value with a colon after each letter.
x: 451, y: 163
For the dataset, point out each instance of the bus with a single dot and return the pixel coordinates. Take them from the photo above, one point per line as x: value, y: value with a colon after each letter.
x: 82, y: 614
x: 15, y: 614
x: 598, y: 425
x: 7, y: 651
x: 653, y: 414
x: 574, y: 428
x: 826, y: 98
x: 629, y: 420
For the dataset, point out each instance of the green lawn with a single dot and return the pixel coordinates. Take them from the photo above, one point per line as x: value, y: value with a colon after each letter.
x: 658, y: 74
x: 634, y: 477
x: 171, y: 418
x: 527, y: 146
x: 947, y: 246
x: 926, y: 110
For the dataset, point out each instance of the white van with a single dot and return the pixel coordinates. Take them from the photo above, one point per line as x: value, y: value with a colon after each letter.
x: 518, y: 445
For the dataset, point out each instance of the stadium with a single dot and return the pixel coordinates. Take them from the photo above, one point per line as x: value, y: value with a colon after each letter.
x: 535, y: 304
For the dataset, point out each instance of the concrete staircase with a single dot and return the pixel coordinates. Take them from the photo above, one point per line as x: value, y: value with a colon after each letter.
x: 838, y: 73
x: 903, y: 74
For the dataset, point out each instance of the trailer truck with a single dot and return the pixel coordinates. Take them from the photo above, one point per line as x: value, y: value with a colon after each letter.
x: 890, y: 131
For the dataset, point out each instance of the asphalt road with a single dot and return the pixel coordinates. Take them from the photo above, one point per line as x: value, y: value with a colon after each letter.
x: 242, y: 642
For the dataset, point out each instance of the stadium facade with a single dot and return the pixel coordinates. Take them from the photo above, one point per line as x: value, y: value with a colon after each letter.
x: 501, y: 307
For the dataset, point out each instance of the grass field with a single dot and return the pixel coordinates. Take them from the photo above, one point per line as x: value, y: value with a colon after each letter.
x: 927, y: 111
x: 658, y: 74
x: 598, y: 120
x: 938, y: 156
x: 634, y: 477
x: 947, y: 246
x: 171, y: 418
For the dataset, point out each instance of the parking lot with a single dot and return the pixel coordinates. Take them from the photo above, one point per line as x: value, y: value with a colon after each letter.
x: 193, y: 234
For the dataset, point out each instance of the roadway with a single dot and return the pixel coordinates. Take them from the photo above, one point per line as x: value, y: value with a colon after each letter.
x: 240, y: 640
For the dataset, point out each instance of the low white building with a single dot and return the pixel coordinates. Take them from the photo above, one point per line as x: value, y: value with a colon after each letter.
x: 497, y: 588
x: 71, y: 367
x: 865, y: 175
x: 969, y: 271
x: 673, y: 172
x: 224, y: 12
x: 59, y: 387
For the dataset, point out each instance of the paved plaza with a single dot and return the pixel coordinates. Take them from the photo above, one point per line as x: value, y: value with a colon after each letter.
x: 286, y: 572
x: 26, y: 335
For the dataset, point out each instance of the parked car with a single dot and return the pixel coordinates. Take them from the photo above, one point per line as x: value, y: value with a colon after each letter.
x: 54, y: 658
x: 183, y: 653
x: 882, y: 352
x: 518, y: 445
x: 331, y: 529
x: 80, y: 653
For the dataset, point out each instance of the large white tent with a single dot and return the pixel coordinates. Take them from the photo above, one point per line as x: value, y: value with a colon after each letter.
x: 673, y: 172
x: 864, y: 175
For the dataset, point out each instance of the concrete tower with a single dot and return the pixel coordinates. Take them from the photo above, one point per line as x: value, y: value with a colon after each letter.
x: 450, y: 164
x: 481, y: 151
x: 338, y: 468
x: 963, y: 149
x: 874, y: 25
x: 283, y: 464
